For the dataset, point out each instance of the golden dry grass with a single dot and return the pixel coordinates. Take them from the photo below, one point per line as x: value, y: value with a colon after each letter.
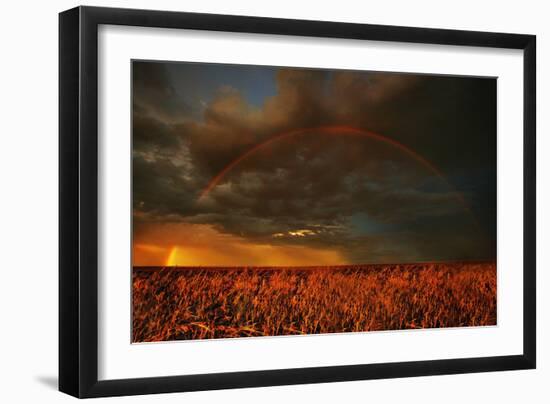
x: 198, y: 303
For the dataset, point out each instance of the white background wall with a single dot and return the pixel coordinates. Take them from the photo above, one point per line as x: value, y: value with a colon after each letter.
x: 28, y: 203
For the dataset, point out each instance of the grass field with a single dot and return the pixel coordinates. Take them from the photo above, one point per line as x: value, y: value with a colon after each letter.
x: 197, y: 303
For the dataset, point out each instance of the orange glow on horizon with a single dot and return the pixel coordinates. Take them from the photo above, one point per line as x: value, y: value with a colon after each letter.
x: 183, y: 244
x: 251, y: 255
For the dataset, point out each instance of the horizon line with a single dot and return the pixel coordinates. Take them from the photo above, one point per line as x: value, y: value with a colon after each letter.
x: 465, y: 261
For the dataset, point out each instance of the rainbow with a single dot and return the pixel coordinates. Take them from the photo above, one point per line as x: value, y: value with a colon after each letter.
x: 171, y: 260
x: 331, y: 130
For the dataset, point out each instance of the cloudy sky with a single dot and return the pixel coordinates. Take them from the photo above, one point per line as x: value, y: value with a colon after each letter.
x: 255, y: 165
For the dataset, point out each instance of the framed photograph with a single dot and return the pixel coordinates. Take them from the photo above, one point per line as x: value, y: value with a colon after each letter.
x: 251, y: 201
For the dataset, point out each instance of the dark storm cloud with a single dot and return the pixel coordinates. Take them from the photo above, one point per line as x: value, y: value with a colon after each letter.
x: 150, y: 133
x: 154, y: 93
x: 358, y: 195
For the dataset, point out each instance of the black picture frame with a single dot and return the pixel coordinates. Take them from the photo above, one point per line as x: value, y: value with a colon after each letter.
x: 78, y: 201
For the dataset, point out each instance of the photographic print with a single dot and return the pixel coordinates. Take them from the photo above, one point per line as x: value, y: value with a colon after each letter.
x: 276, y: 201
